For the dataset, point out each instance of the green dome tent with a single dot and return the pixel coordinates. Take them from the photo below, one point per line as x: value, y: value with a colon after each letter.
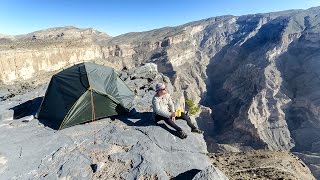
x: 75, y: 93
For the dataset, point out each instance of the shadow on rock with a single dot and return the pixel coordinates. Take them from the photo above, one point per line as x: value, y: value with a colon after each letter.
x: 134, y: 118
x: 188, y: 175
x: 27, y: 108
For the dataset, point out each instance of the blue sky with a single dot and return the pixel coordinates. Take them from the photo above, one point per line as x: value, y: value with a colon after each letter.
x: 116, y: 17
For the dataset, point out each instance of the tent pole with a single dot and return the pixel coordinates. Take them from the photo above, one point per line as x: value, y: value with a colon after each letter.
x: 93, y: 115
x: 94, y: 165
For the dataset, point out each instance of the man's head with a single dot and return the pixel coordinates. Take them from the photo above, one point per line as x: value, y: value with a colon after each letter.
x: 161, y: 89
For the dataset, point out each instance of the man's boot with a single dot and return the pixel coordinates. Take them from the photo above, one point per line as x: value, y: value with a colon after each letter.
x: 196, y: 130
x: 182, y: 134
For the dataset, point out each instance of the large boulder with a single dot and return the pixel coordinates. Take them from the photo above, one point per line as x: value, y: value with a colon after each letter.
x: 123, y: 147
x: 120, y: 148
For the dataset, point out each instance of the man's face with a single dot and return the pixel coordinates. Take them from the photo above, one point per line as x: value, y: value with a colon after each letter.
x: 162, y: 91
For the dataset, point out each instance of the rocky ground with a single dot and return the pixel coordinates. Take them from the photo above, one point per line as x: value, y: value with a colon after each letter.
x: 261, y: 164
x: 122, y: 148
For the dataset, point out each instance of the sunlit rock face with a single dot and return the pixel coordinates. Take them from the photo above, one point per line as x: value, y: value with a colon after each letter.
x: 25, y: 56
x: 258, y: 84
x: 258, y: 73
x: 23, y: 64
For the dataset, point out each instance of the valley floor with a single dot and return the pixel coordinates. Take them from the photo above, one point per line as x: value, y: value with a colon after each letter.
x: 261, y: 164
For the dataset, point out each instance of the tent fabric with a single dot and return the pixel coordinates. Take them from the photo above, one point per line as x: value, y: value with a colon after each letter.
x: 82, y: 110
x: 53, y: 109
x: 67, y: 101
x: 108, y: 82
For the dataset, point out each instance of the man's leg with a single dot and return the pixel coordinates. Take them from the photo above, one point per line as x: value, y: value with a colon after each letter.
x: 187, y: 118
x: 189, y: 122
x: 168, y: 121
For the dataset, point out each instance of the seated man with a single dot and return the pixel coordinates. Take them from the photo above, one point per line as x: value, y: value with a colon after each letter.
x: 163, y: 109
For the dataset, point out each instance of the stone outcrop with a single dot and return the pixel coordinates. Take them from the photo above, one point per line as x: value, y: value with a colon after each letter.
x: 127, y: 149
x: 124, y: 147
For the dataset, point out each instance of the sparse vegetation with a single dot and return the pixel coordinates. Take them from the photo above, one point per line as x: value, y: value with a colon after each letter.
x: 193, y: 108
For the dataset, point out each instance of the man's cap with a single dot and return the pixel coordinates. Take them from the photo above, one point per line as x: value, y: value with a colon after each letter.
x: 160, y: 86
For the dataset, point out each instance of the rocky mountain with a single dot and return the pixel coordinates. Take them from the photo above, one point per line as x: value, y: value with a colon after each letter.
x: 121, y: 147
x: 257, y: 75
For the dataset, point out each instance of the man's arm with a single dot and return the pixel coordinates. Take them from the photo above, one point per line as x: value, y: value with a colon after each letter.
x: 170, y: 103
x: 157, y: 110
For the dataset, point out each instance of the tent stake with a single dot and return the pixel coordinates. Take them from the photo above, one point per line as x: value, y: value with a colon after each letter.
x: 20, y: 152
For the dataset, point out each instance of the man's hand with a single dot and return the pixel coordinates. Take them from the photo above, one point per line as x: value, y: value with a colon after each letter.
x: 173, y: 114
x: 173, y: 118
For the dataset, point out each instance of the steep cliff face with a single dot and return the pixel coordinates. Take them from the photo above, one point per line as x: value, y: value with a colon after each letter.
x: 254, y: 82
x: 258, y: 73
x: 24, y: 64
x: 245, y: 85
x: 25, y: 56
